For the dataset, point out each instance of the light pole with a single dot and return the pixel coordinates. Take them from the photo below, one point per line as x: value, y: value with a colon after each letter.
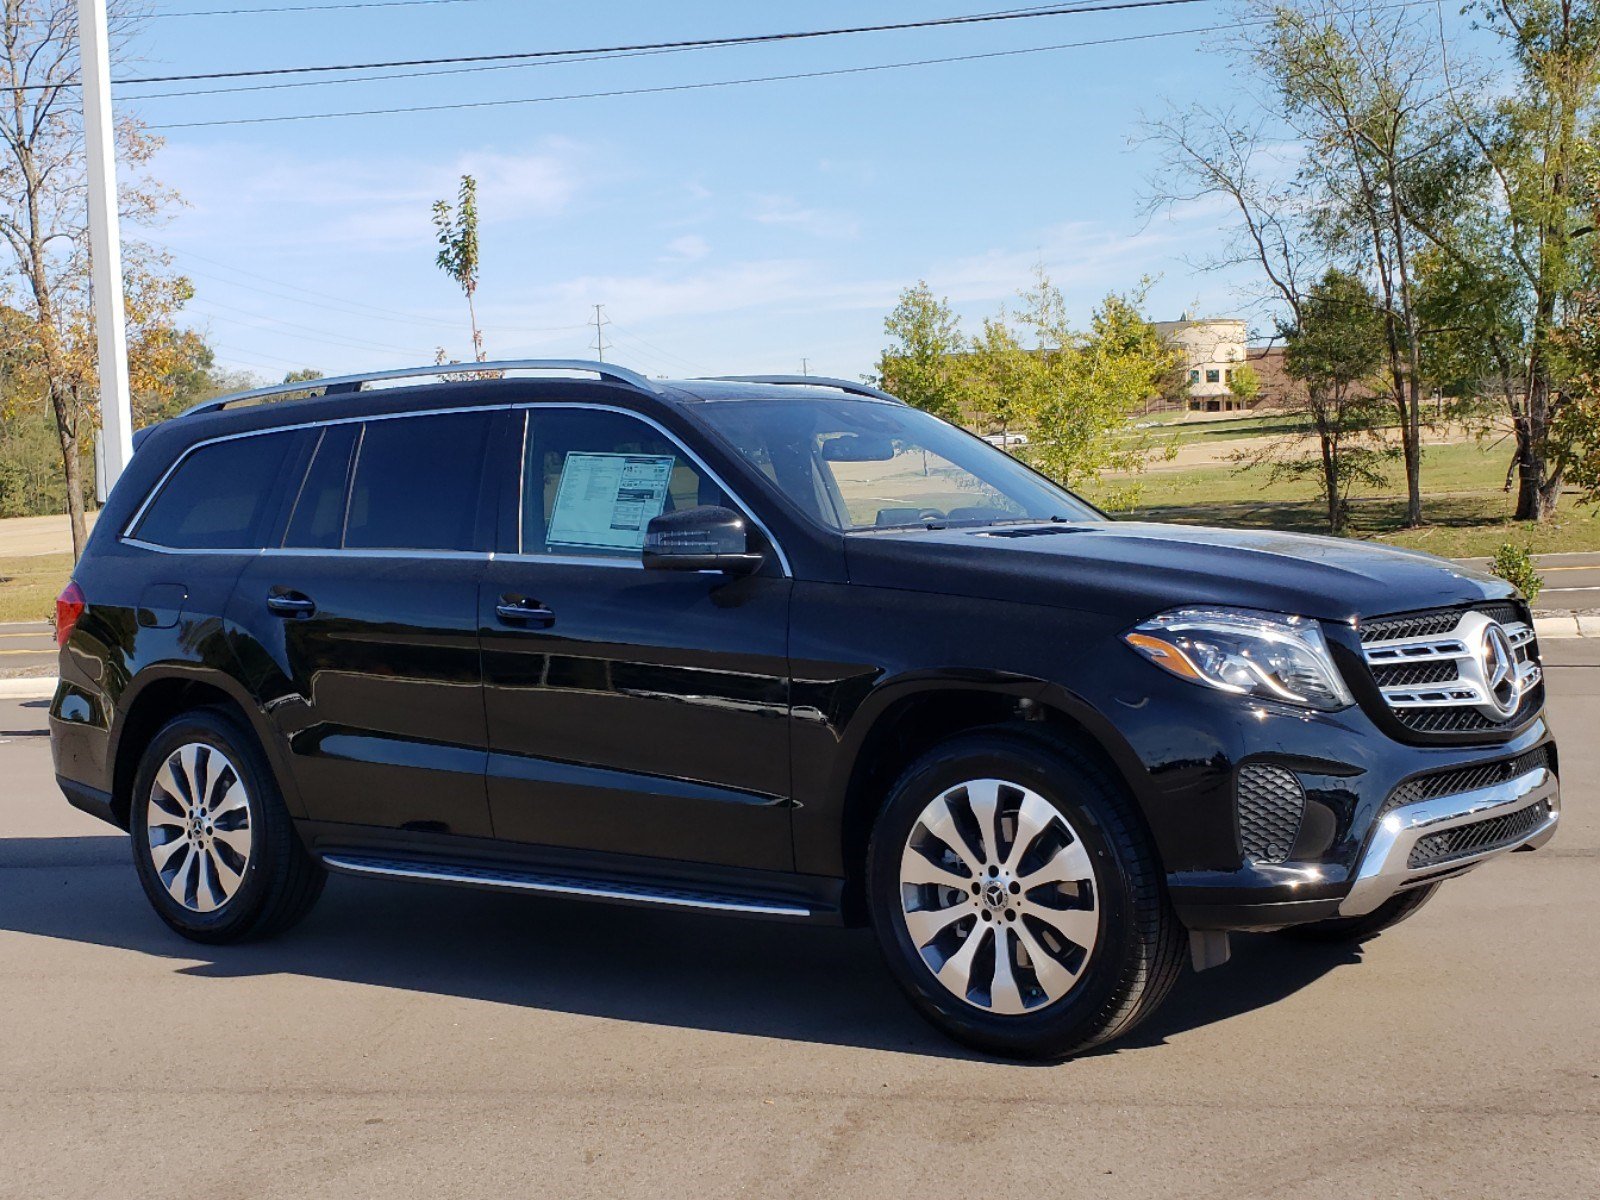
x: 105, y: 240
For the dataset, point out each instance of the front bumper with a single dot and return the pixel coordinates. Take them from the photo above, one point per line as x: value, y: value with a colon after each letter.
x: 1411, y: 845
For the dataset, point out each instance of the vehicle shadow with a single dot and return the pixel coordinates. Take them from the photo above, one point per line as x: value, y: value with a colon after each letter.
x: 676, y: 969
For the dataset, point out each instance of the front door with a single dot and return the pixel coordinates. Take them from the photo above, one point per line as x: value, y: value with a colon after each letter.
x: 630, y: 711
x: 367, y: 614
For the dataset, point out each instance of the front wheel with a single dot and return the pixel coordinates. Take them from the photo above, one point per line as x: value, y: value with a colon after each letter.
x: 1017, y: 900
x: 214, y: 847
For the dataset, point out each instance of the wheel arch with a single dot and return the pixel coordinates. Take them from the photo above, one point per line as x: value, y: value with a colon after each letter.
x: 917, y: 716
x: 157, y: 695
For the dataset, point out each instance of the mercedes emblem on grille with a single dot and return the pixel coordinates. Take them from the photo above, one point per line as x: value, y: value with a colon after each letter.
x: 1502, y: 686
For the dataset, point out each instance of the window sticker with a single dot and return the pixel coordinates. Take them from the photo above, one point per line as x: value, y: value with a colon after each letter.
x: 606, y: 500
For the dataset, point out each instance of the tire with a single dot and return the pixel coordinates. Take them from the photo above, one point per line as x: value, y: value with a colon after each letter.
x: 1108, y: 891
x: 1358, y: 929
x: 214, y: 847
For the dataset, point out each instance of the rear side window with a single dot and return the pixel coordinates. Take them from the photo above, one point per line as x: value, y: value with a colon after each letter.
x: 417, y: 484
x: 318, y: 519
x: 221, y: 497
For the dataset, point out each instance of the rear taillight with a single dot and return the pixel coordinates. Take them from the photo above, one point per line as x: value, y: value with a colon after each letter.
x: 69, y: 607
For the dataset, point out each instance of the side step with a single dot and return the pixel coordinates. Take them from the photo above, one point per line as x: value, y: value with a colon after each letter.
x: 507, y: 879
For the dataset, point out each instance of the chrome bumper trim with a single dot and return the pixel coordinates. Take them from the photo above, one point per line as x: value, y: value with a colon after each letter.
x: 1384, y: 868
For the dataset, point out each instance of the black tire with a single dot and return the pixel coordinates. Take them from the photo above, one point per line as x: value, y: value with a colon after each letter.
x: 279, y: 881
x: 1358, y: 929
x: 1139, y: 950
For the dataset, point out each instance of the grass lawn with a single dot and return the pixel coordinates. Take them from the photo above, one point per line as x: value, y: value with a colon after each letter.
x: 1467, y: 512
x: 29, y: 586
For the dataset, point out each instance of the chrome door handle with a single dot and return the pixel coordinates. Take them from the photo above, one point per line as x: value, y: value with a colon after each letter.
x: 290, y: 604
x: 518, y: 610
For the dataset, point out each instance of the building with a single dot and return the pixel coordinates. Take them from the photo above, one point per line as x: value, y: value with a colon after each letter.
x: 1213, y: 348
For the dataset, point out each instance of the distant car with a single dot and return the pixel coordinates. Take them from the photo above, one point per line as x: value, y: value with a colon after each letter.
x: 1006, y: 439
x: 781, y: 647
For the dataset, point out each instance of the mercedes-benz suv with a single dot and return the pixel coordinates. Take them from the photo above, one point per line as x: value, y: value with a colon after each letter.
x: 783, y: 647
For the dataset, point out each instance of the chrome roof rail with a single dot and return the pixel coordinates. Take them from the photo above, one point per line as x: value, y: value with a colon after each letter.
x: 353, y: 383
x: 824, y: 381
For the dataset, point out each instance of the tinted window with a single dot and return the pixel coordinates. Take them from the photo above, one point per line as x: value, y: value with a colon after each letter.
x: 417, y: 482
x: 593, y: 480
x: 221, y: 497
x: 318, y: 520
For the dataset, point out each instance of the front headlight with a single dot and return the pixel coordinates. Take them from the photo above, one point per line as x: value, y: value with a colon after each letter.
x: 1270, y: 655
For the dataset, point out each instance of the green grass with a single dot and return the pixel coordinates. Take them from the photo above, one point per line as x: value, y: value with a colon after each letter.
x: 1467, y: 513
x: 29, y: 586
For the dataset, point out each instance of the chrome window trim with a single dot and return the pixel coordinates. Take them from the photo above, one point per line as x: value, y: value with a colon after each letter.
x: 128, y: 538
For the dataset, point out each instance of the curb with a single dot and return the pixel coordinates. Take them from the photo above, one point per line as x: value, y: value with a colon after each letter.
x: 36, y: 688
x: 1568, y: 625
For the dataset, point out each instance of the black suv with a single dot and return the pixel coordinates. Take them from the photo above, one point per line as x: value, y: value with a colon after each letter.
x: 776, y: 646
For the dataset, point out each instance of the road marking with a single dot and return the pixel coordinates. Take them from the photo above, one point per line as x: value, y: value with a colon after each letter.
x: 47, y: 650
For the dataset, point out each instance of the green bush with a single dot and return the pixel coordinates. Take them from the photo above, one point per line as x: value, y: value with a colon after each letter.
x: 1514, y: 564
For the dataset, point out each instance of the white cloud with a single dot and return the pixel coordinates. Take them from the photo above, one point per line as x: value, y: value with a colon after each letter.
x: 688, y: 248
x: 818, y: 222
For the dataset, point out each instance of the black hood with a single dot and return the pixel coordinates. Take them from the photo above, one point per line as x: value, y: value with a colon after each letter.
x: 1136, y: 569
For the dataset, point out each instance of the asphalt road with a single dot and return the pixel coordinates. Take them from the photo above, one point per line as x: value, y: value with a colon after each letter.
x: 27, y: 649
x: 1571, y: 581
x: 407, y: 1040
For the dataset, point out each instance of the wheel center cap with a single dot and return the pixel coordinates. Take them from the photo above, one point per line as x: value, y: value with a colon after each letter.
x: 995, y: 895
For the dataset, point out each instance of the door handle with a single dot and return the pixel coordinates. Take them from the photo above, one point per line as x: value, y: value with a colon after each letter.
x: 290, y: 604
x: 522, y: 611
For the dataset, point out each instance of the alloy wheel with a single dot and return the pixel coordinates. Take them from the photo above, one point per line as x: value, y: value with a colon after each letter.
x: 198, y: 827
x: 998, y: 895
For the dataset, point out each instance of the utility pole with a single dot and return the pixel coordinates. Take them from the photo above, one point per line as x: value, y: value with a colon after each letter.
x: 805, y: 366
x: 105, y: 239
x: 600, y: 323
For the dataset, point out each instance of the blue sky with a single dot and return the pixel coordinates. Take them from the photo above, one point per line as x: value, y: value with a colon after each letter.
x: 733, y: 229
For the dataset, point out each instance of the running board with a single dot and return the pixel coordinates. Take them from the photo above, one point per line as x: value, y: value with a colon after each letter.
x: 508, y: 880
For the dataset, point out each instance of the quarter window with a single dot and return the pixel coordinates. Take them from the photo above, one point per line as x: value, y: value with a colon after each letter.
x: 318, y: 520
x: 417, y: 484
x: 221, y: 497
x: 592, y: 480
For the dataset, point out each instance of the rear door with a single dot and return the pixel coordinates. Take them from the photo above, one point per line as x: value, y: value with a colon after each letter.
x: 362, y: 623
x: 630, y: 711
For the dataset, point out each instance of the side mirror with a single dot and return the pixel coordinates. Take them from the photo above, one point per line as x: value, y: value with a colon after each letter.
x: 706, y: 538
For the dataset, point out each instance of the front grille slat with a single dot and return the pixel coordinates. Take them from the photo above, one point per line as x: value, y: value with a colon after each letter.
x: 1456, y: 780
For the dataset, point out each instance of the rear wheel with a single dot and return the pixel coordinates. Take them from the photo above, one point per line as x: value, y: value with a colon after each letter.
x: 1358, y: 929
x: 214, y: 847
x: 1017, y: 900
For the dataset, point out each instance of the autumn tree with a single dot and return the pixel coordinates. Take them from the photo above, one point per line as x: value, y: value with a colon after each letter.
x: 44, y: 226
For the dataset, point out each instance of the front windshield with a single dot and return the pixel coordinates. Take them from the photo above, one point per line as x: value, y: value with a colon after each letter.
x: 858, y: 465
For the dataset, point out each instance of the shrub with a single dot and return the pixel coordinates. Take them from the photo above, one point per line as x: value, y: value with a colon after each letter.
x: 1514, y: 564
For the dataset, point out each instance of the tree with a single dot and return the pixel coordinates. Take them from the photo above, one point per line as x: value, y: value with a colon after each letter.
x: 1525, y: 251
x: 458, y: 251
x: 1000, y: 378
x: 1085, y: 386
x: 1245, y: 383
x: 922, y: 365
x: 1334, y: 352
x: 44, y: 224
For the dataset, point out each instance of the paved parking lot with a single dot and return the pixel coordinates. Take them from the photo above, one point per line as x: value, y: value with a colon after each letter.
x: 416, y: 1041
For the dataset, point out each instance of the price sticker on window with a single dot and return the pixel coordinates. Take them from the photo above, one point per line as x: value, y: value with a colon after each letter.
x: 606, y: 500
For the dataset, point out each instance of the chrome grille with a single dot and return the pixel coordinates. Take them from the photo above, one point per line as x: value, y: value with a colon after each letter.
x: 1433, y: 668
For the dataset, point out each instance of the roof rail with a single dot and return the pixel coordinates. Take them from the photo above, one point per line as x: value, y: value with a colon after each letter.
x: 354, y: 383
x: 842, y: 385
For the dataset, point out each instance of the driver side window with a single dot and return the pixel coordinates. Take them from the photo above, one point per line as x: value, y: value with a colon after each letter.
x: 592, y: 480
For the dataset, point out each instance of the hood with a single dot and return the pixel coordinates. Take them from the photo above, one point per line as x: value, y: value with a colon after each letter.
x: 1136, y: 569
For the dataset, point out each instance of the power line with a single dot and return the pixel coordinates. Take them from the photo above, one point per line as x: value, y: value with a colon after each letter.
x: 744, y: 40
x: 303, y: 8
x: 721, y: 83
